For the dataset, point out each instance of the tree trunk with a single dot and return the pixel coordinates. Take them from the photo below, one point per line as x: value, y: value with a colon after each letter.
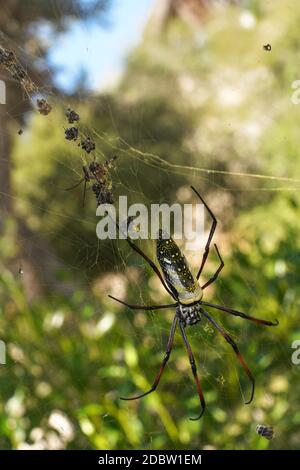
x: 35, y: 256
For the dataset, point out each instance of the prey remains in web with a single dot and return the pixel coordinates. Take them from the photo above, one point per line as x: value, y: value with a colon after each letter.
x: 99, y: 174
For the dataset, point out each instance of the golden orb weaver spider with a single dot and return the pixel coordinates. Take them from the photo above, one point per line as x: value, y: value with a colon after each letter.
x: 187, y: 292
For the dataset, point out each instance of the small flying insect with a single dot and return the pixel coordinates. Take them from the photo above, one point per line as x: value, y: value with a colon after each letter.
x: 265, y: 431
x: 267, y: 47
x: 88, y: 145
x: 187, y: 292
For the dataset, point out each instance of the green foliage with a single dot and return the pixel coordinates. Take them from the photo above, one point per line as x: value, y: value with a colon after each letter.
x: 77, y: 355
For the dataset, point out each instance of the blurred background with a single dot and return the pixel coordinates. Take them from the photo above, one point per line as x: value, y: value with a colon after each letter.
x: 182, y: 92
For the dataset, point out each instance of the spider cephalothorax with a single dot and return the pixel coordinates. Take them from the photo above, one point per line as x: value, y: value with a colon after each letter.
x: 187, y: 293
x: 189, y: 314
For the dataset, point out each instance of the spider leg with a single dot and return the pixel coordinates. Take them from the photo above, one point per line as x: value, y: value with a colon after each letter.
x: 84, y: 192
x: 236, y: 350
x: 151, y: 264
x: 143, y: 307
x: 237, y: 313
x: 215, y: 276
x: 75, y: 185
x: 163, y: 364
x: 211, y: 233
x: 194, y: 370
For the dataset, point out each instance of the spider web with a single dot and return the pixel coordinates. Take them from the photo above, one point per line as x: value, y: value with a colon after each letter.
x: 121, y: 269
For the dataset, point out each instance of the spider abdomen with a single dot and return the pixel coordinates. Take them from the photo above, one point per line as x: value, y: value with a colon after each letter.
x: 176, y: 270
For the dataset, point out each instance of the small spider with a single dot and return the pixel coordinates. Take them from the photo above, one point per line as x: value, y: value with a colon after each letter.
x: 187, y: 292
x: 100, y: 173
x: 267, y: 47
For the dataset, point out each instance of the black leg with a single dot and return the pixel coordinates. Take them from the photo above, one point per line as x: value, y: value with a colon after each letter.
x: 211, y: 233
x: 84, y: 192
x: 75, y: 185
x: 143, y: 307
x: 151, y: 264
x: 194, y: 370
x: 236, y: 350
x: 163, y: 365
x: 215, y: 276
x: 237, y: 313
